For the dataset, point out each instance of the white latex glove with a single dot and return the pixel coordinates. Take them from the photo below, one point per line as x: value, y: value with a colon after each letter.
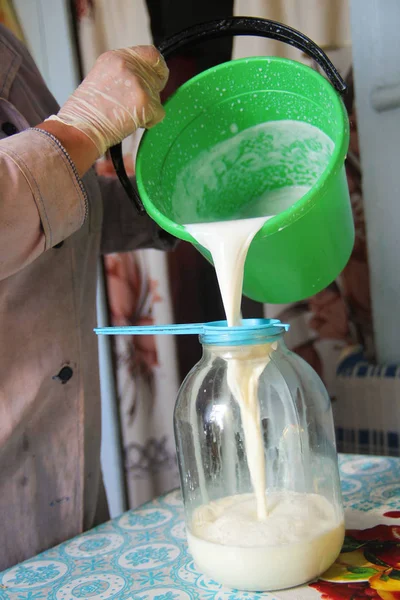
x: 120, y: 94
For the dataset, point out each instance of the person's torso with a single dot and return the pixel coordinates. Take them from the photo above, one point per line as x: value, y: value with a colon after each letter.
x: 49, y: 390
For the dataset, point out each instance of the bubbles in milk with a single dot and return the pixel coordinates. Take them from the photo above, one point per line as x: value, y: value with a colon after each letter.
x: 228, y: 180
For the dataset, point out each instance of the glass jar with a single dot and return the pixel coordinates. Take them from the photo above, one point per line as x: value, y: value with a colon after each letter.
x: 257, y: 460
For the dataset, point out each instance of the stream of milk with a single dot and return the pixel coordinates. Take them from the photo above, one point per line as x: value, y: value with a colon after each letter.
x: 228, y: 242
x: 255, y: 529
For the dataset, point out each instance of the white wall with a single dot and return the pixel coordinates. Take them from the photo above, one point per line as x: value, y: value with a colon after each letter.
x: 376, y: 54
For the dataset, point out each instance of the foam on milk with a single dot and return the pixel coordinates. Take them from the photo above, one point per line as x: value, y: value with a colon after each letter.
x: 300, y: 540
x: 256, y: 542
x: 234, y: 178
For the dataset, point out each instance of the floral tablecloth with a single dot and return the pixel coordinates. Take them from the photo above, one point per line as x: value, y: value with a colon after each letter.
x: 143, y: 554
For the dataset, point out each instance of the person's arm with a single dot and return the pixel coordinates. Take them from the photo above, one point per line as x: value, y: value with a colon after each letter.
x: 80, y: 148
x: 43, y: 200
x: 120, y: 94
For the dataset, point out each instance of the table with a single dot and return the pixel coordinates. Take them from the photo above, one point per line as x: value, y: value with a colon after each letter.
x: 143, y: 554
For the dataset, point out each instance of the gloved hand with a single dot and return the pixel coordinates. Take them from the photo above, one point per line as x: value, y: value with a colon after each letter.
x: 120, y: 94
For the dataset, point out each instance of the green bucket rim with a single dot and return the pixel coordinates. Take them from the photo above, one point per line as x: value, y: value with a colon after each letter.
x: 296, y: 211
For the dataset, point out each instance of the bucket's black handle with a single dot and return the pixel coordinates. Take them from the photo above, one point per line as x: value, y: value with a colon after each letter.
x: 221, y: 28
x: 256, y: 27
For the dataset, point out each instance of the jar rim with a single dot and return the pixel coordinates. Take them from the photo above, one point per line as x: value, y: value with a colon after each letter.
x: 250, y: 332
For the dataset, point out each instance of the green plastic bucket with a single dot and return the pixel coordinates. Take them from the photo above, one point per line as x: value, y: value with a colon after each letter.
x: 302, y: 249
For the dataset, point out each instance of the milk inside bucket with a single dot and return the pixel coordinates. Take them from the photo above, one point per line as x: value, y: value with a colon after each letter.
x: 234, y: 139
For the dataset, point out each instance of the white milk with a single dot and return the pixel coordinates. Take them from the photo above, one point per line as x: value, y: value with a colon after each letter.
x: 229, y: 241
x: 256, y: 542
x: 243, y: 375
x: 300, y: 540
